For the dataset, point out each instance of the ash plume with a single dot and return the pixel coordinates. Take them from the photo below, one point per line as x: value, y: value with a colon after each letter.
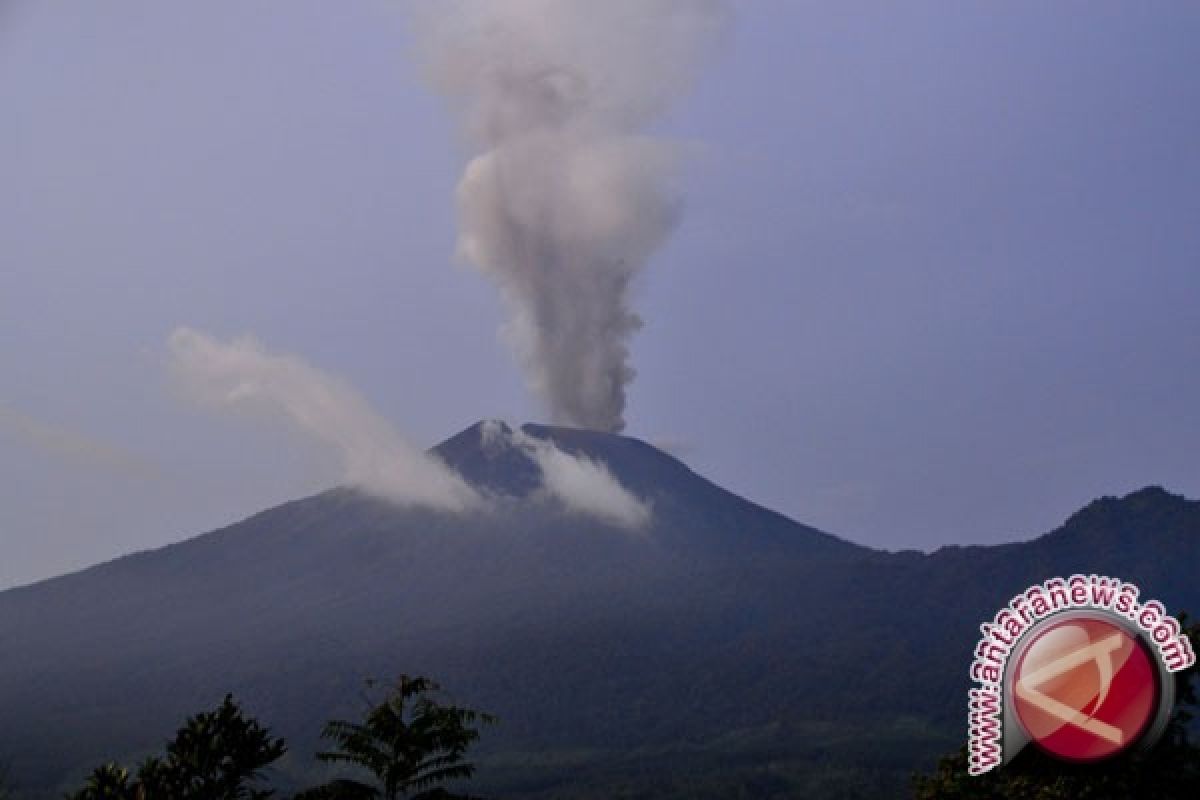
x: 567, y: 196
x: 242, y: 375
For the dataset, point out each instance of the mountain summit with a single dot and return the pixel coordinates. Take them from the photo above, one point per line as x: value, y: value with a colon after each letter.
x: 687, y: 510
x: 489, y: 455
x: 720, y: 645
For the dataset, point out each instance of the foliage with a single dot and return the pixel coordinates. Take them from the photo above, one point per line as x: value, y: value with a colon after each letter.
x: 408, y: 742
x: 1171, y: 769
x: 216, y: 755
x: 107, y: 782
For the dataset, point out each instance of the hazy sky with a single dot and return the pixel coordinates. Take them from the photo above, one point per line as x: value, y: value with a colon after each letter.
x: 937, y: 278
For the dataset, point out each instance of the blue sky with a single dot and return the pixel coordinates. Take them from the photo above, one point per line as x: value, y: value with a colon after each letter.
x: 936, y: 280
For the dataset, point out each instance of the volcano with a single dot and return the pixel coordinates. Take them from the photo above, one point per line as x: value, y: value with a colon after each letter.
x: 719, y: 647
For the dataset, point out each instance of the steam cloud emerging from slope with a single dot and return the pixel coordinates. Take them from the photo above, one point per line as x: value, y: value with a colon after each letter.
x: 582, y: 485
x: 567, y: 199
x: 242, y: 375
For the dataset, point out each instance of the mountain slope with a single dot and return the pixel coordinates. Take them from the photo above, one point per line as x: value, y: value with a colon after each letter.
x: 721, y: 638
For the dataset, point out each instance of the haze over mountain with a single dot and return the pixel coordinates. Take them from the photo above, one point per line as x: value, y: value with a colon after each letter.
x: 716, y: 647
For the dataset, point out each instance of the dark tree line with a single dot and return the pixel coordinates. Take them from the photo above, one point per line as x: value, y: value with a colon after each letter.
x: 408, y: 745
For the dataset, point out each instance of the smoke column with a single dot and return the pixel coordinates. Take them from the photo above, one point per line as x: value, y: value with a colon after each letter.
x: 566, y: 197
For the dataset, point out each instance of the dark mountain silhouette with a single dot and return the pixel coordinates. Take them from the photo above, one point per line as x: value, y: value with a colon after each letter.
x: 724, y: 648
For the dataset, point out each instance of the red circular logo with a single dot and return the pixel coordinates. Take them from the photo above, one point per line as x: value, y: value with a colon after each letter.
x: 1084, y: 689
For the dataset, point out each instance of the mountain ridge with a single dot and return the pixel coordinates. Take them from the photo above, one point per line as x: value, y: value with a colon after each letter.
x: 449, y: 451
x: 582, y: 636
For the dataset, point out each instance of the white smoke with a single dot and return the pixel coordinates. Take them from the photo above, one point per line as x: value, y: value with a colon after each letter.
x: 242, y: 375
x: 567, y: 198
x: 581, y: 484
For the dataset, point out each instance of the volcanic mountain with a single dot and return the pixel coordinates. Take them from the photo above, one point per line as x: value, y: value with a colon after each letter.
x: 719, y: 648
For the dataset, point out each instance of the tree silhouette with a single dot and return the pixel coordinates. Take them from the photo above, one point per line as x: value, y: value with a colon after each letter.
x: 1168, y: 771
x: 409, y: 742
x: 107, y: 782
x: 216, y: 755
